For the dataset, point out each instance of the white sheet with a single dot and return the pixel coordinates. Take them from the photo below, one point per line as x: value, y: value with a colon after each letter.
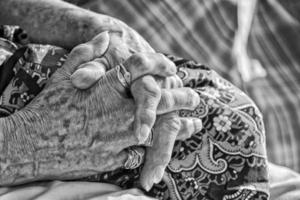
x: 284, y: 183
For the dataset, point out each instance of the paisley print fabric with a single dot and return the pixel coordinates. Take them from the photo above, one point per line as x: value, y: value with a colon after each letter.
x: 226, y: 160
x: 24, y: 68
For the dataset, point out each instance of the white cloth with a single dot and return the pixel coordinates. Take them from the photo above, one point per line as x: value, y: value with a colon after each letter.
x: 58, y: 190
x: 284, y: 183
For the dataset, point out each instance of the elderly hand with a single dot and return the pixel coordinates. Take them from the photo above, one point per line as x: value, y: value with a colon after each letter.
x: 67, y: 133
x: 146, y: 92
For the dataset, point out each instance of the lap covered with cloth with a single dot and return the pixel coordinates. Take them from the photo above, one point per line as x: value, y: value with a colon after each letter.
x: 225, y: 160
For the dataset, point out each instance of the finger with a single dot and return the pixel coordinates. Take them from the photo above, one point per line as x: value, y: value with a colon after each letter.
x: 169, y: 82
x: 141, y: 64
x: 189, y: 126
x: 89, y: 73
x: 177, y: 99
x: 87, y: 52
x: 159, y: 155
x: 146, y: 94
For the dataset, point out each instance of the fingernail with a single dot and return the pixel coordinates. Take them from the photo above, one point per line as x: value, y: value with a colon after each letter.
x: 159, y: 173
x: 198, y: 124
x: 144, y: 133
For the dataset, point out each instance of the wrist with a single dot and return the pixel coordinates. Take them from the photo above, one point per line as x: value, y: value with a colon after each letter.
x: 15, y: 149
x: 34, y: 149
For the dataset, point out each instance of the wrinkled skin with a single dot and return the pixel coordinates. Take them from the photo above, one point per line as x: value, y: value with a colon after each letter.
x: 71, y: 25
x: 146, y: 92
x: 67, y: 133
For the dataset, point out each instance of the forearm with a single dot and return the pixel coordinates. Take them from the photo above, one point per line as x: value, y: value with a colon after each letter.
x: 31, y: 150
x: 56, y: 22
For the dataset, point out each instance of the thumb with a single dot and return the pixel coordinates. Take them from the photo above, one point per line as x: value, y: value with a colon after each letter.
x: 87, y: 52
x: 89, y: 73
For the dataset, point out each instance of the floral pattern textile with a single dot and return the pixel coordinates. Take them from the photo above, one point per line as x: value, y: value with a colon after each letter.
x: 225, y: 160
x: 28, y: 73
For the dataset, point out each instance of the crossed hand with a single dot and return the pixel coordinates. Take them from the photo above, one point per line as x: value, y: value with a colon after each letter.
x: 125, y: 101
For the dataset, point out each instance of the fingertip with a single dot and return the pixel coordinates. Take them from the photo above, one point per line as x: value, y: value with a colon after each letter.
x: 79, y: 79
x: 83, y: 78
x: 147, y: 186
x: 159, y: 173
x: 169, y: 68
x: 197, y: 124
x: 146, y: 180
x: 173, y: 68
x: 192, y: 97
x: 87, y: 75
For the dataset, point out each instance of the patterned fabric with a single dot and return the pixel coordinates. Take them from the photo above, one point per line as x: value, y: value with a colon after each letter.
x: 29, y: 73
x: 226, y: 160
x: 209, y: 31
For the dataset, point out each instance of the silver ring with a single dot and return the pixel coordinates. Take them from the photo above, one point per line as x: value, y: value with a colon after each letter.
x: 124, y: 76
x: 135, y: 158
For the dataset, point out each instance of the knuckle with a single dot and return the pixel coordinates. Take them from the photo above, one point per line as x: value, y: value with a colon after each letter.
x: 161, y: 57
x: 163, y: 67
x: 167, y: 64
x: 173, y: 125
x: 151, y: 87
x: 140, y: 60
x: 147, y: 116
x: 167, y: 100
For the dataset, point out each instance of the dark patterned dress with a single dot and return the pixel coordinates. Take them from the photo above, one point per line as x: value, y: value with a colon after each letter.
x: 225, y: 160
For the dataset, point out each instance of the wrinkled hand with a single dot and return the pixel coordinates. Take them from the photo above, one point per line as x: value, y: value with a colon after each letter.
x: 67, y: 133
x: 146, y: 92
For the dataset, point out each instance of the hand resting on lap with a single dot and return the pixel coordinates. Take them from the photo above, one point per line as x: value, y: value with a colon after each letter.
x: 113, y: 48
x: 67, y: 133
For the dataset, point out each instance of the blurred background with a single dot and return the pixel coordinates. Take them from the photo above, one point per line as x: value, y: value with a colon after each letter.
x: 253, y: 43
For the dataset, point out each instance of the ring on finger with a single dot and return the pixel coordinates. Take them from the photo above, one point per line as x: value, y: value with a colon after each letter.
x: 135, y: 158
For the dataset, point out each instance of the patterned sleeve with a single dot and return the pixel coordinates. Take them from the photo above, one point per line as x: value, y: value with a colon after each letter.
x: 226, y: 160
